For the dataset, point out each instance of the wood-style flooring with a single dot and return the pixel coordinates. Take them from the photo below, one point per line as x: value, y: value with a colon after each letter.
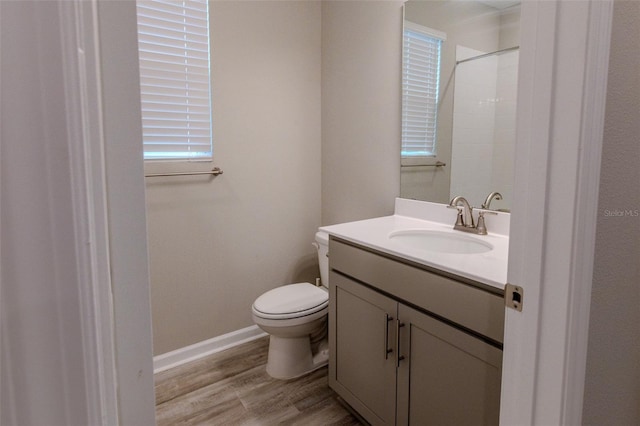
x: 233, y: 388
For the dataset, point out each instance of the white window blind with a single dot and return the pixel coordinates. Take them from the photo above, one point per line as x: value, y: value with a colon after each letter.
x: 420, y: 89
x: 173, y: 44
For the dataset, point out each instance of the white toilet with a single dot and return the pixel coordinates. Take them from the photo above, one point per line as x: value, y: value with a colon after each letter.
x: 295, y: 316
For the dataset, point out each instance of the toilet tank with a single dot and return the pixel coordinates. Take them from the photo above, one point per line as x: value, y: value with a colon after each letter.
x: 322, y: 244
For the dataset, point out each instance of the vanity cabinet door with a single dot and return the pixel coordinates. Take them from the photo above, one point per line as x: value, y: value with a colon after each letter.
x: 362, y: 369
x: 447, y: 377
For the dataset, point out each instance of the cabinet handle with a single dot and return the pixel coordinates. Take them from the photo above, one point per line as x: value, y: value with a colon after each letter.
x: 399, y: 325
x: 387, y: 349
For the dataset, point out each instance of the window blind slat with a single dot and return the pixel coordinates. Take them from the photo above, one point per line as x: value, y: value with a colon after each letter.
x: 169, y: 98
x: 172, y: 61
x: 158, y: 85
x: 180, y: 29
x: 198, y: 135
x: 167, y: 4
x: 175, y: 73
x: 420, y: 91
x: 175, y: 85
x: 149, y: 34
x: 176, y: 143
x: 173, y: 13
x: 169, y: 47
x: 175, y: 115
x: 162, y: 143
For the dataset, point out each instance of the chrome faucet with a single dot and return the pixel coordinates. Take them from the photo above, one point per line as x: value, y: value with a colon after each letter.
x: 464, y: 220
x: 491, y: 197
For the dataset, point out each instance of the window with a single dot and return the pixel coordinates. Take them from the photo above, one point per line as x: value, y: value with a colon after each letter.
x: 173, y: 44
x: 420, y: 89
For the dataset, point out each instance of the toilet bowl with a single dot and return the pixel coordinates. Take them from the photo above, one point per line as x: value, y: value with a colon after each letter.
x: 295, y: 317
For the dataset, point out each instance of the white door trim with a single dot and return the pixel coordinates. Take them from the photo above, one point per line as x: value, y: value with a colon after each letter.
x: 535, y: 66
x: 80, y: 56
x: 562, y: 87
x: 100, y: 71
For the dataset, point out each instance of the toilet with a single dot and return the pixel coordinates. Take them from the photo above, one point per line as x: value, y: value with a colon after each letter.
x: 295, y: 317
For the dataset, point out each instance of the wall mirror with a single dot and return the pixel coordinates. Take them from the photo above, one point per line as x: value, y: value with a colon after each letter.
x: 460, y: 63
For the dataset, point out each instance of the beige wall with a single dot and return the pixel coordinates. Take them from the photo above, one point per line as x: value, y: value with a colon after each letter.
x: 361, y: 54
x: 612, y: 388
x: 510, y: 27
x: 215, y: 245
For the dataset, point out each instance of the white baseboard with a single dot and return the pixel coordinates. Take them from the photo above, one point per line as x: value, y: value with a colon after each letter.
x: 198, y: 350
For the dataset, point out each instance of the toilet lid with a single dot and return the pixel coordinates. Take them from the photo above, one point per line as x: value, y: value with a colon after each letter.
x: 289, y: 301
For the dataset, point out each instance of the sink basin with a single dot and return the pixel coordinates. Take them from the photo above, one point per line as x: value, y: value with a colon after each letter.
x: 440, y: 241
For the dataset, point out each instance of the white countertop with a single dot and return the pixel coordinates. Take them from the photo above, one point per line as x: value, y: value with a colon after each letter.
x: 488, y: 268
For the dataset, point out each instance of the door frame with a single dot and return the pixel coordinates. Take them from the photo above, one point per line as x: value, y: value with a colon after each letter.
x: 561, y: 98
x: 101, y: 82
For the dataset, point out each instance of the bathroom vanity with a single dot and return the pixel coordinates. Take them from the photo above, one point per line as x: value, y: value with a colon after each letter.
x: 412, y: 340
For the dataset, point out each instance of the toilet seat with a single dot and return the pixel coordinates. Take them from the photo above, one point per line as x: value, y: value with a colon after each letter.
x: 291, y: 301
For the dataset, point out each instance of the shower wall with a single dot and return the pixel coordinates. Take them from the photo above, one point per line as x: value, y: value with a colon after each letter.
x: 505, y: 127
x: 483, y: 138
x: 474, y: 114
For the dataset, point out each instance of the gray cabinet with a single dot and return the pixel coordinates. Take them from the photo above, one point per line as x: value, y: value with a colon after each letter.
x: 396, y: 362
x: 447, y: 377
x: 363, y: 332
